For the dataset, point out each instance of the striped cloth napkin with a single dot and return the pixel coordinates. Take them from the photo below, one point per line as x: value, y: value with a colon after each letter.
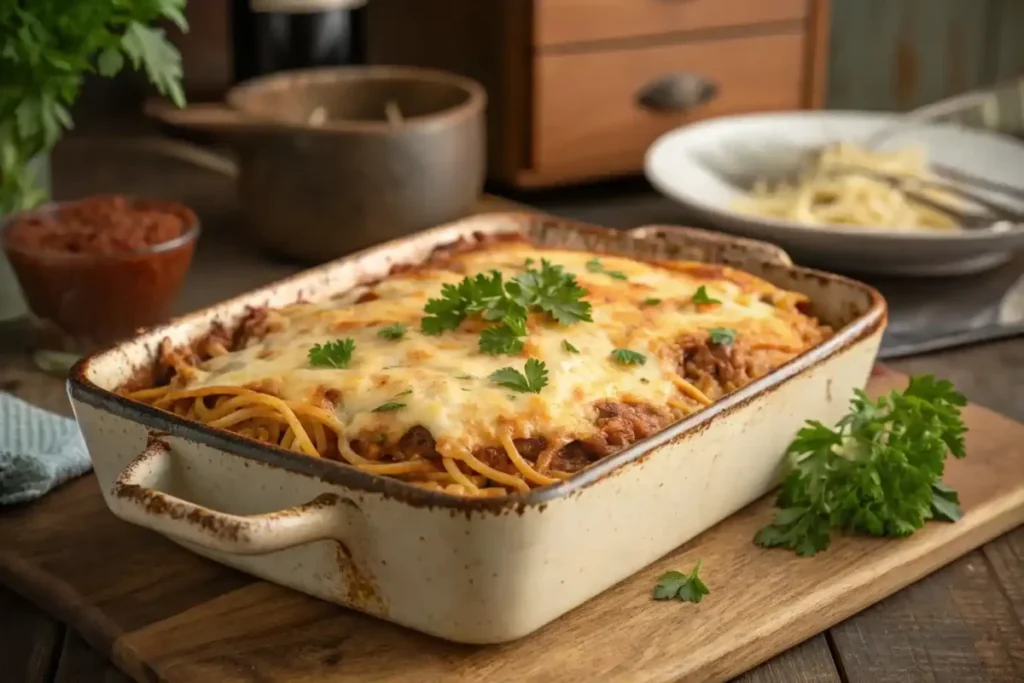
x: 38, y: 451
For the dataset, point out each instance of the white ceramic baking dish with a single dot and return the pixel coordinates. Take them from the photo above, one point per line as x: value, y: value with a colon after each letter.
x: 474, y: 571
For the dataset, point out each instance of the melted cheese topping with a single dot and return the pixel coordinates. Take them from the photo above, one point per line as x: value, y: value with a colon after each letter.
x: 443, y: 381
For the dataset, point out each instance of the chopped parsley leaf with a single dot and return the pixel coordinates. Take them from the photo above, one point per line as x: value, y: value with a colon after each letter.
x: 701, y: 296
x: 628, y: 357
x: 394, y: 331
x: 594, y: 265
x: 685, y: 587
x: 332, y: 354
x: 504, y: 338
x: 534, y: 379
x: 650, y: 301
x: 392, y: 404
x: 723, y: 336
x: 569, y: 347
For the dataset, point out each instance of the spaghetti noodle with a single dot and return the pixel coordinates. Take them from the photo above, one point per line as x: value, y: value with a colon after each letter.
x: 433, y: 409
x: 827, y: 193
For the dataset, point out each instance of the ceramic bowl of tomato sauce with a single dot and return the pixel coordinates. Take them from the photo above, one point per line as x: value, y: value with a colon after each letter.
x: 94, y: 271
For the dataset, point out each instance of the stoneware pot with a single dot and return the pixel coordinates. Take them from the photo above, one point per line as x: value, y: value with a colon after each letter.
x: 333, y: 160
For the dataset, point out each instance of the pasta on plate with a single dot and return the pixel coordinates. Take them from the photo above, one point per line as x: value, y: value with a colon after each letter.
x: 496, y: 367
x: 825, y: 194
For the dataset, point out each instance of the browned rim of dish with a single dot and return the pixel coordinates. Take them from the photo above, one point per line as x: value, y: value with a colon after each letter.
x: 240, y: 97
x: 81, y: 388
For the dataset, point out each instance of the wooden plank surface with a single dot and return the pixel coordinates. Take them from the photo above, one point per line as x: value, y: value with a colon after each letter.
x: 165, y: 614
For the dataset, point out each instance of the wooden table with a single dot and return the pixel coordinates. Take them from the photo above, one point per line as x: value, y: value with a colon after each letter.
x: 963, y: 624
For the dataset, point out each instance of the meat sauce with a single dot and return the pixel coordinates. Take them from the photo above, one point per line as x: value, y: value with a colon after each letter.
x: 94, y: 271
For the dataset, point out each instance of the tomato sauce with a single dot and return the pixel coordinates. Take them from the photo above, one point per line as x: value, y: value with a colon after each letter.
x: 94, y: 271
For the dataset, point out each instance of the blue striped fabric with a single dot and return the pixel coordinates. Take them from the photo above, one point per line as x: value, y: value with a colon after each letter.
x: 38, y: 451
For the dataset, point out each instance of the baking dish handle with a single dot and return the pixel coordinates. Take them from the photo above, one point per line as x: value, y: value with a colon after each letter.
x: 765, y: 251
x: 134, y: 499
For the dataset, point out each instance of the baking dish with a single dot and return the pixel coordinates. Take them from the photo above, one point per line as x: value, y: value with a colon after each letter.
x: 467, y: 570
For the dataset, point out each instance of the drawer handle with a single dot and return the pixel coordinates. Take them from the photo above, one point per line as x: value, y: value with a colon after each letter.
x: 676, y: 93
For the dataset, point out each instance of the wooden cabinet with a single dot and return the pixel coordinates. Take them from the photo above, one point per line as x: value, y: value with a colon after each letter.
x: 578, y: 89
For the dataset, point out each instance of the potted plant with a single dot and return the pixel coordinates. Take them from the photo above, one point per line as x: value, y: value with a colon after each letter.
x: 47, y: 47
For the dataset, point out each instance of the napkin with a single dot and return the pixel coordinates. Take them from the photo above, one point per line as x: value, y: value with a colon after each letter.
x: 38, y: 451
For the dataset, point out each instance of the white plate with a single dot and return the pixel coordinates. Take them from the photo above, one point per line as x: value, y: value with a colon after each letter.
x: 708, y: 166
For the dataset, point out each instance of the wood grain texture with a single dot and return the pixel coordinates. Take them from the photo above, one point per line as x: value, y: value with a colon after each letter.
x: 1006, y: 559
x: 899, y: 55
x: 809, y: 662
x: 587, y: 119
x: 30, y: 641
x: 818, y: 43
x: 79, y: 663
x: 958, y: 626
x: 165, y: 614
x: 558, y: 22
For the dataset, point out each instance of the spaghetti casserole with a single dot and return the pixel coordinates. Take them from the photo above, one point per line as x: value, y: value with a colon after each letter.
x: 495, y: 367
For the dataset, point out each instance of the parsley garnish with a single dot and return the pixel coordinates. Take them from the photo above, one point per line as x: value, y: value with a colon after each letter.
x: 701, y: 296
x: 594, y: 265
x: 685, y: 587
x: 628, y: 357
x: 552, y: 291
x: 504, y: 338
x: 569, y: 347
x: 392, y: 404
x: 464, y: 377
x: 332, y: 354
x: 535, y: 379
x: 46, y: 52
x: 650, y: 301
x: 878, y: 472
x: 548, y: 290
x: 723, y: 336
x: 393, y: 332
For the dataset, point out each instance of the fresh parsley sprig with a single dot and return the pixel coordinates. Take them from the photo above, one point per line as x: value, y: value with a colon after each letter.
x: 332, y: 354
x: 677, y: 585
x: 549, y: 290
x: 48, y: 48
x: 534, y: 379
x: 877, y: 473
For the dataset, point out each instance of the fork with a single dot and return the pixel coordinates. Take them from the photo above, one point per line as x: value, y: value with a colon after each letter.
x: 998, y: 214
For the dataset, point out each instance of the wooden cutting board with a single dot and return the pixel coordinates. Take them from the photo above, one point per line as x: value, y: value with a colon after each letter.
x: 164, y: 614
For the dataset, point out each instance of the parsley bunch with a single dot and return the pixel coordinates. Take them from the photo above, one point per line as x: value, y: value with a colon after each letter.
x: 878, y: 472
x: 549, y: 290
x: 46, y: 48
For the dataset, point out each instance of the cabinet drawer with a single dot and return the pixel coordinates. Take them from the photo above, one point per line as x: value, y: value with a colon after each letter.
x: 570, y: 21
x: 588, y: 120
